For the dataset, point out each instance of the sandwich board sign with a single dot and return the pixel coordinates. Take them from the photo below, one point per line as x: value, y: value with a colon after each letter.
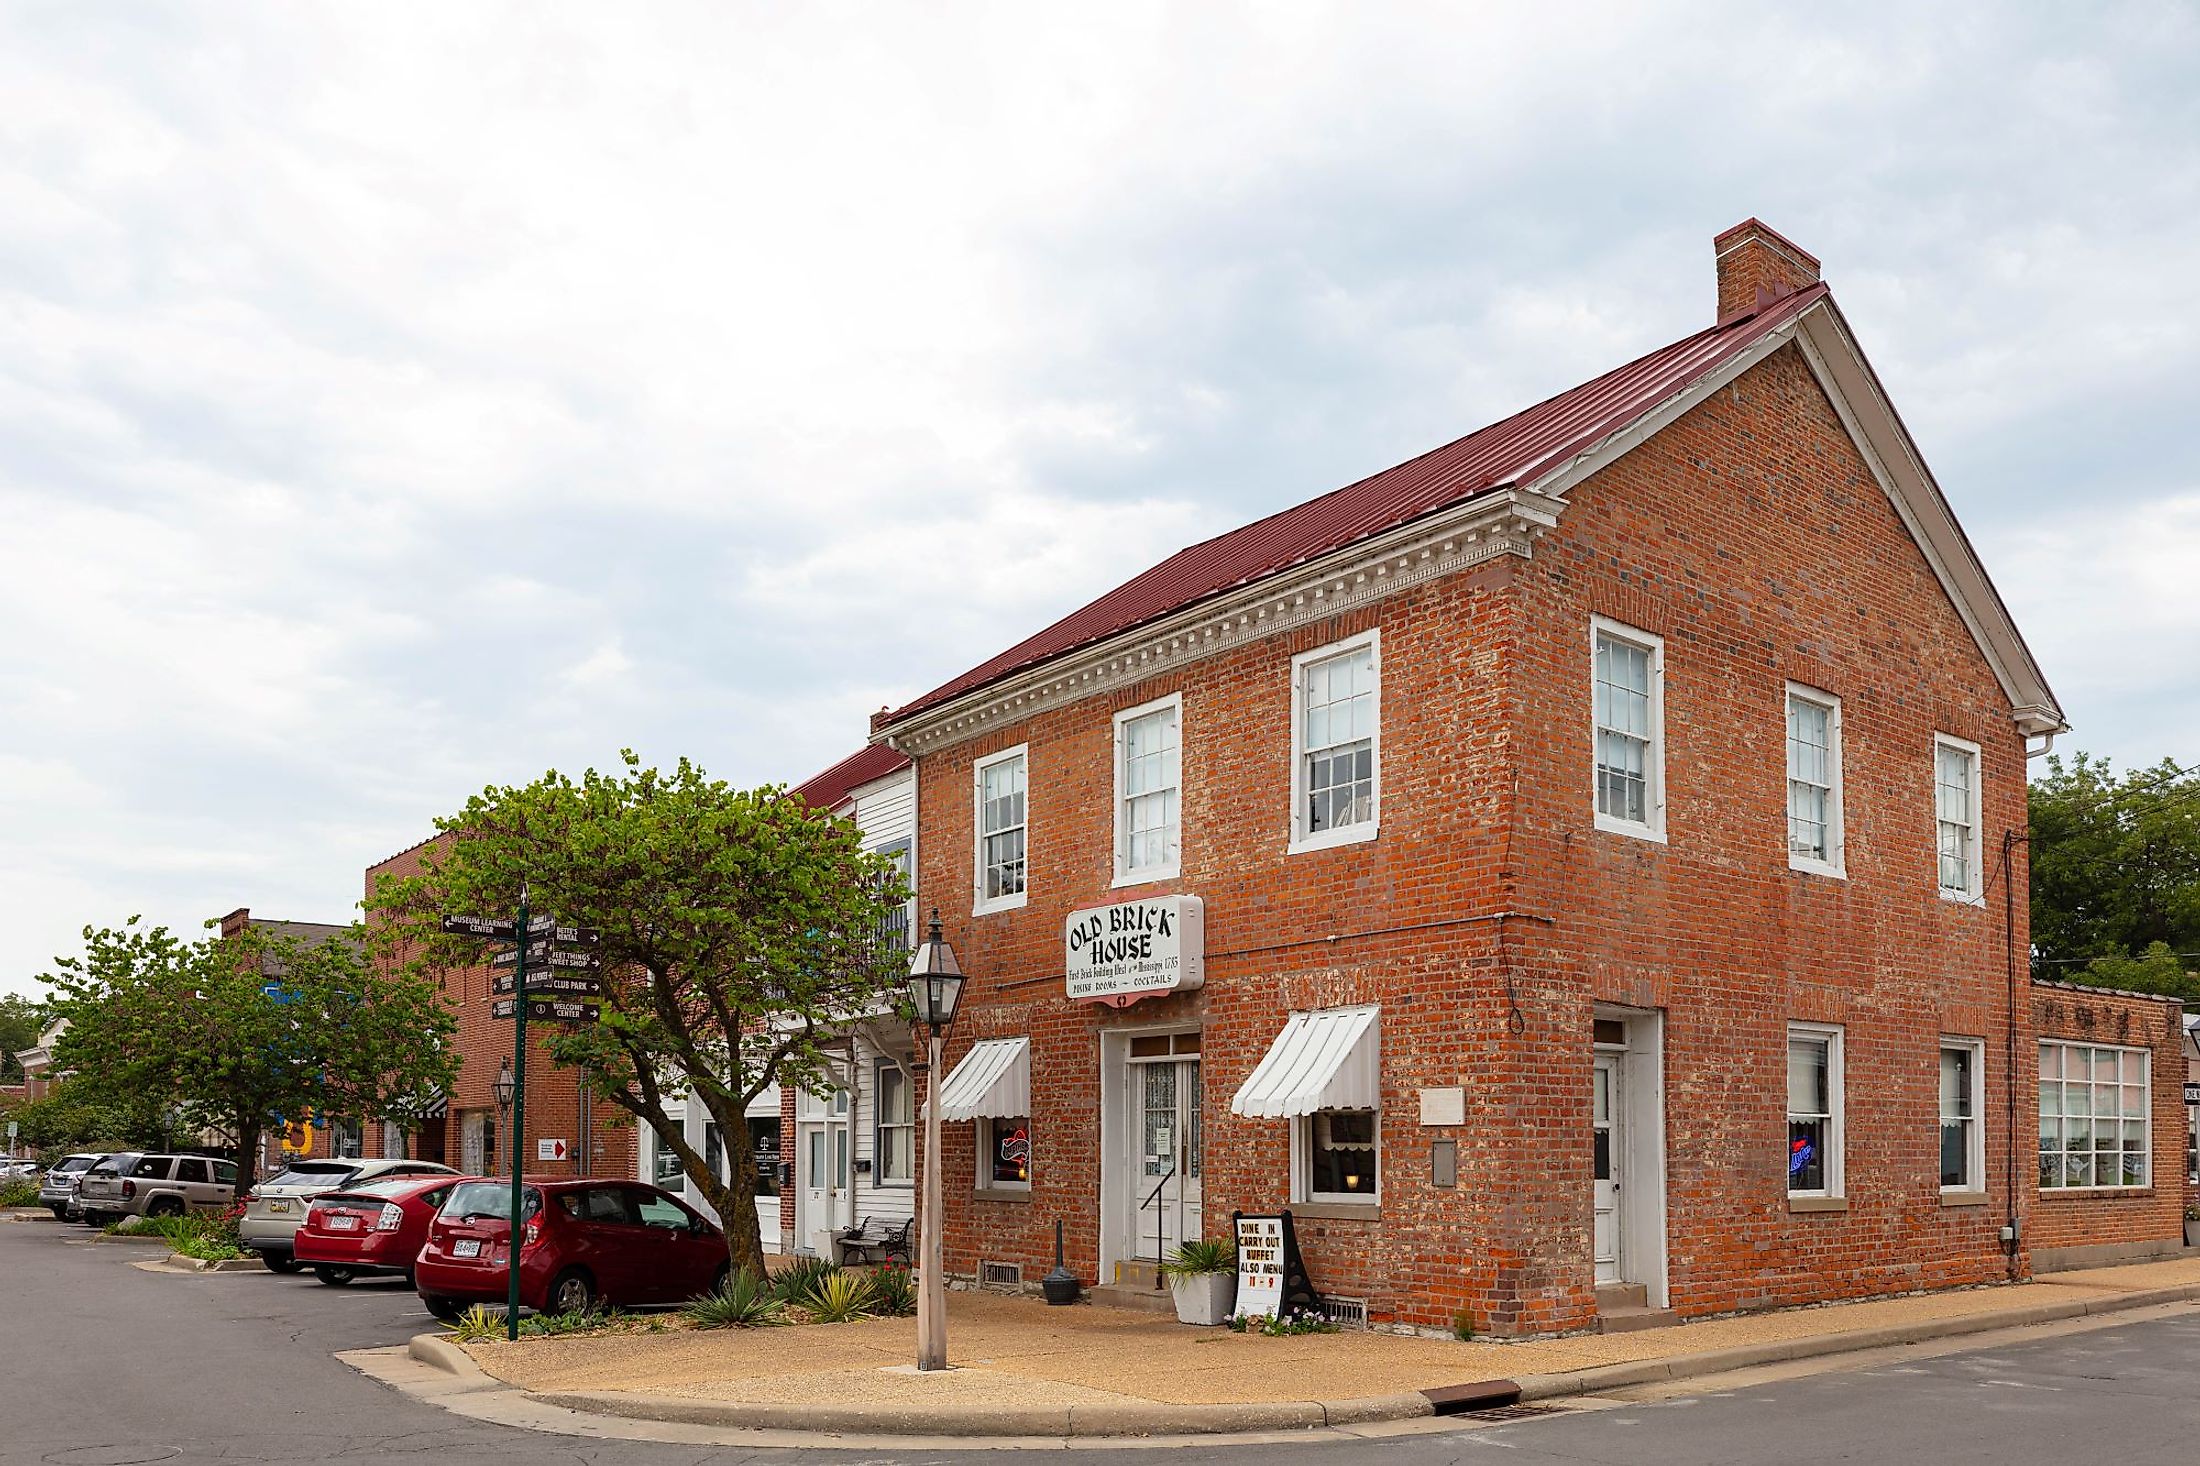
x: 1272, y: 1280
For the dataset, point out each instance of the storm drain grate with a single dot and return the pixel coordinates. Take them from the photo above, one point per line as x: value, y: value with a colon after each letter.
x: 1509, y: 1412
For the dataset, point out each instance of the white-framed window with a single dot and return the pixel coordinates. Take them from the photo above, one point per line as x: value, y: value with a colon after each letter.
x: 998, y: 787
x: 1336, y: 743
x: 1814, y: 1109
x: 1148, y: 791
x: 1814, y: 780
x: 1957, y: 817
x: 1627, y: 670
x: 1336, y: 1156
x: 894, y: 1137
x: 1004, y: 1153
x: 1962, y: 1114
x: 2096, y: 1116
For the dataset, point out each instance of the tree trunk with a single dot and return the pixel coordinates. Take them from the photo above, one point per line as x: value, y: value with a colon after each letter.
x: 736, y: 1203
x: 248, y: 1154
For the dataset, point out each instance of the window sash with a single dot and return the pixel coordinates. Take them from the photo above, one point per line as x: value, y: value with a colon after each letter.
x: 1006, y: 1152
x: 1814, y: 1112
x: 1625, y: 692
x: 1961, y: 1082
x: 1149, y: 777
x: 2096, y: 1117
x: 1002, y: 814
x: 1337, y: 725
x: 1955, y: 812
x: 1341, y: 1154
x: 893, y: 1140
x: 1814, y: 773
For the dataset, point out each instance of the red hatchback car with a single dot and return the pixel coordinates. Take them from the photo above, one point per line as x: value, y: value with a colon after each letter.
x: 373, y: 1227
x: 583, y: 1243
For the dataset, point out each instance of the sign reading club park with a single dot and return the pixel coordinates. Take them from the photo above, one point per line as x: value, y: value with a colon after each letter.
x: 1135, y: 949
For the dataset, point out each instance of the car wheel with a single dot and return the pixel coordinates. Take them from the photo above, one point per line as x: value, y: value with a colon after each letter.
x: 167, y: 1206
x: 281, y: 1262
x: 60, y: 1213
x: 446, y: 1309
x: 719, y: 1279
x: 573, y: 1292
x: 335, y: 1277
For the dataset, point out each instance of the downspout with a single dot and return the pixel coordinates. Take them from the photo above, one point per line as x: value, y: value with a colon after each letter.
x: 2011, y: 1233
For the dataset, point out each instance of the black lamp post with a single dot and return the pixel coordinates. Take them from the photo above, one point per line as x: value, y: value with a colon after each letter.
x: 935, y: 988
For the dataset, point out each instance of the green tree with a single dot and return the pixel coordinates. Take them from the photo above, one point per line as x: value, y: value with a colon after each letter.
x: 739, y: 926
x: 2116, y: 871
x: 22, y: 1019
x: 71, y: 1117
x: 242, y: 1033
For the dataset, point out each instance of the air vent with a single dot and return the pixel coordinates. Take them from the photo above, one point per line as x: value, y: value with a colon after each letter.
x: 1347, y: 1313
x: 1011, y: 1275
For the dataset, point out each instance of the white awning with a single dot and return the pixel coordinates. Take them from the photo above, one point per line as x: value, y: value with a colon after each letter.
x: 1329, y: 1060
x: 993, y: 1080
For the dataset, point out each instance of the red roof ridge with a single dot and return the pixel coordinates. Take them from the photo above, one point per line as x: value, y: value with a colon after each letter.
x: 1516, y: 449
x: 868, y: 764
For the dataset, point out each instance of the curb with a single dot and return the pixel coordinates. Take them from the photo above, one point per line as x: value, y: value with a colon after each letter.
x: 136, y: 1238
x: 183, y: 1264
x: 1161, y: 1419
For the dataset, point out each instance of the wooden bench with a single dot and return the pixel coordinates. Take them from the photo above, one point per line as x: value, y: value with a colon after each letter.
x: 876, y: 1239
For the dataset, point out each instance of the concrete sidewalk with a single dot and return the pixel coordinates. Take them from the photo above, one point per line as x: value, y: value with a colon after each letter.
x: 1024, y: 1368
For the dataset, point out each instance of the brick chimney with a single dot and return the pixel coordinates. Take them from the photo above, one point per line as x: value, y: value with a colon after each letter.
x: 1757, y: 265
x: 236, y: 921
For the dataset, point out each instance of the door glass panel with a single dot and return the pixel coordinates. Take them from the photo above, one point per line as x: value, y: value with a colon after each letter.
x: 841, y: 1175
x: 1600, y: 1115
x: 817, y: 1159
x: 1159, y: 1133
x: 1192, y: 1125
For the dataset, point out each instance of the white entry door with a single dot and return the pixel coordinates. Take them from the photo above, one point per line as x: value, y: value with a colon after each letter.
x: 1167, y: 1097
x: 823, y: 1167
x: 1607, y: 1105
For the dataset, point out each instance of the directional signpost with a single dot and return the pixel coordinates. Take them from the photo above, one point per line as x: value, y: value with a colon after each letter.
x: 551, y: 981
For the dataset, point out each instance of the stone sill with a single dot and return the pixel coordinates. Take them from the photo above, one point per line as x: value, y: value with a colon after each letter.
x: 1799, y: 1205
x: 1963, y: 1198
x: 984, y: 1193
x: 2094, y: 1193
x: 1335, y: 1211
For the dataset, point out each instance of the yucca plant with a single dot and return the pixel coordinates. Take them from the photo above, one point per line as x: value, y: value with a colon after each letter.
x: 893, y: 1292
x: 477, y: 1324
x: 1198, y: 1257
x: 800, y: 1279
x: 842, y: 1297
x: 745, y: 1302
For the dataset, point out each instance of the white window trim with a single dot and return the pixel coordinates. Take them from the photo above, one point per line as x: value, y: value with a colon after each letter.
x: 1302, y: 841
x: 979, y: 905
x: 1124, y: 876
x: 1836, y: 1097
x: 983, y: 1156
x: 1975, y: 894
x: 1599, y: 628
x: 1836, y: 865
x: 2146, y: 1136
x: 1975, y: 1161
x: 1302, y: 1168
x: 880, y: 1125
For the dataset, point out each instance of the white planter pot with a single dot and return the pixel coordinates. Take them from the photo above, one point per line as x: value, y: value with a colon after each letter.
x: 2192, y: 1233
x: 1204, y: 1299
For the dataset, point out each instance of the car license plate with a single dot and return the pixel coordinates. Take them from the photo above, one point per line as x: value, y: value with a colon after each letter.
x: 466, y: 1247
x: 278, y: 1206
x: 343, y: 1223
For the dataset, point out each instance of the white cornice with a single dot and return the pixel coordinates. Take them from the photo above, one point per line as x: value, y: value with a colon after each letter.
x: 1503, y: 522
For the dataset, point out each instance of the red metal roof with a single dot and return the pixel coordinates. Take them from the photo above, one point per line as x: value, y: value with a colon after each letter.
x: 874, y: 761
x: 1517, y: 450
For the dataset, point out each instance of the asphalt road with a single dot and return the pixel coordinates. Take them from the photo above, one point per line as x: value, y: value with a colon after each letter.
x: 103, y: 1364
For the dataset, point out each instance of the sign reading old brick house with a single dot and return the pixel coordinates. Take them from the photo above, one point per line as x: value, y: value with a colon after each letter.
x: 1135, y: 949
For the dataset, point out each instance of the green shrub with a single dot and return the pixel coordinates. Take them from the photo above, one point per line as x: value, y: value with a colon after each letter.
x: 893, y: 1292
x: 840, y: 1297
x: 478, y: 1323
x: 1462, y: 1325
x: 745, y: 1302
x: 799, y: 1281
x: 579, y: 1321
x: 20, y: 1192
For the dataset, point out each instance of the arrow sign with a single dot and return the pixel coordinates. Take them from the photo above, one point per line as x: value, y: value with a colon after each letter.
x: 494, y: 928
x: 548, y: 983
x: 548, y: 1010
x: 541, y: 955
x: 568, y: 936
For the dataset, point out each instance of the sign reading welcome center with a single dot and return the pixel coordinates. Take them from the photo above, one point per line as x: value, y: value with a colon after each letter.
x: 1135, y: 949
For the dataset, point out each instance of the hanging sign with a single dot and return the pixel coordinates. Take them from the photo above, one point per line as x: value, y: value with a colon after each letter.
x: 494, y: 928
x: 1135, y: 949
x: 1271, y: 1275
x: 542, y: 954
x: 549, y: 984
x: 2192, y: 1094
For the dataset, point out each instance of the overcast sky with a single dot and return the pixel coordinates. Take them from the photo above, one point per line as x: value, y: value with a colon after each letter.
x: 400, y: 398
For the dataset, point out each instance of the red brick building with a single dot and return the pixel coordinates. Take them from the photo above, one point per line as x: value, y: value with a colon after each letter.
x: 1575, y: 871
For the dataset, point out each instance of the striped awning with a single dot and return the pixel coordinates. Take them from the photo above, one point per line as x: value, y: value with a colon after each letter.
x: 437, y: 1106
x: 1326, y: 1060
x: 993, y: 1081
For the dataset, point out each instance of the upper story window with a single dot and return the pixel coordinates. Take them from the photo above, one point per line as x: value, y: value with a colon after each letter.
x: 1629, y: 683
x: 1336, y: 718
x: 1000, y: 793
x: 1148, y: 785
x: 1956, y: 816
x: 1814, y: 780
x: 894, y: 926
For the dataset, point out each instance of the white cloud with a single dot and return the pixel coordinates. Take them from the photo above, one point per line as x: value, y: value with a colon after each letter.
x: 400, y: 400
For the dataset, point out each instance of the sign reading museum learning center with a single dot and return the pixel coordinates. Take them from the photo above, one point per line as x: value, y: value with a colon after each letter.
x: 1135, y: 949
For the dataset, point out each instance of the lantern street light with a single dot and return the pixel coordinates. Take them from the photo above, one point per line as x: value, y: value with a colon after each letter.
x: 935, y: 987
x: 504, y: 1090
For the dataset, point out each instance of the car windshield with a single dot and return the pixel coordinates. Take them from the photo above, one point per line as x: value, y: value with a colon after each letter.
x: 315, y: 1177
x: 78, y: 1163
x: 112, y: 1166
x: 486, y: 1199
x: 393, y: 1186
